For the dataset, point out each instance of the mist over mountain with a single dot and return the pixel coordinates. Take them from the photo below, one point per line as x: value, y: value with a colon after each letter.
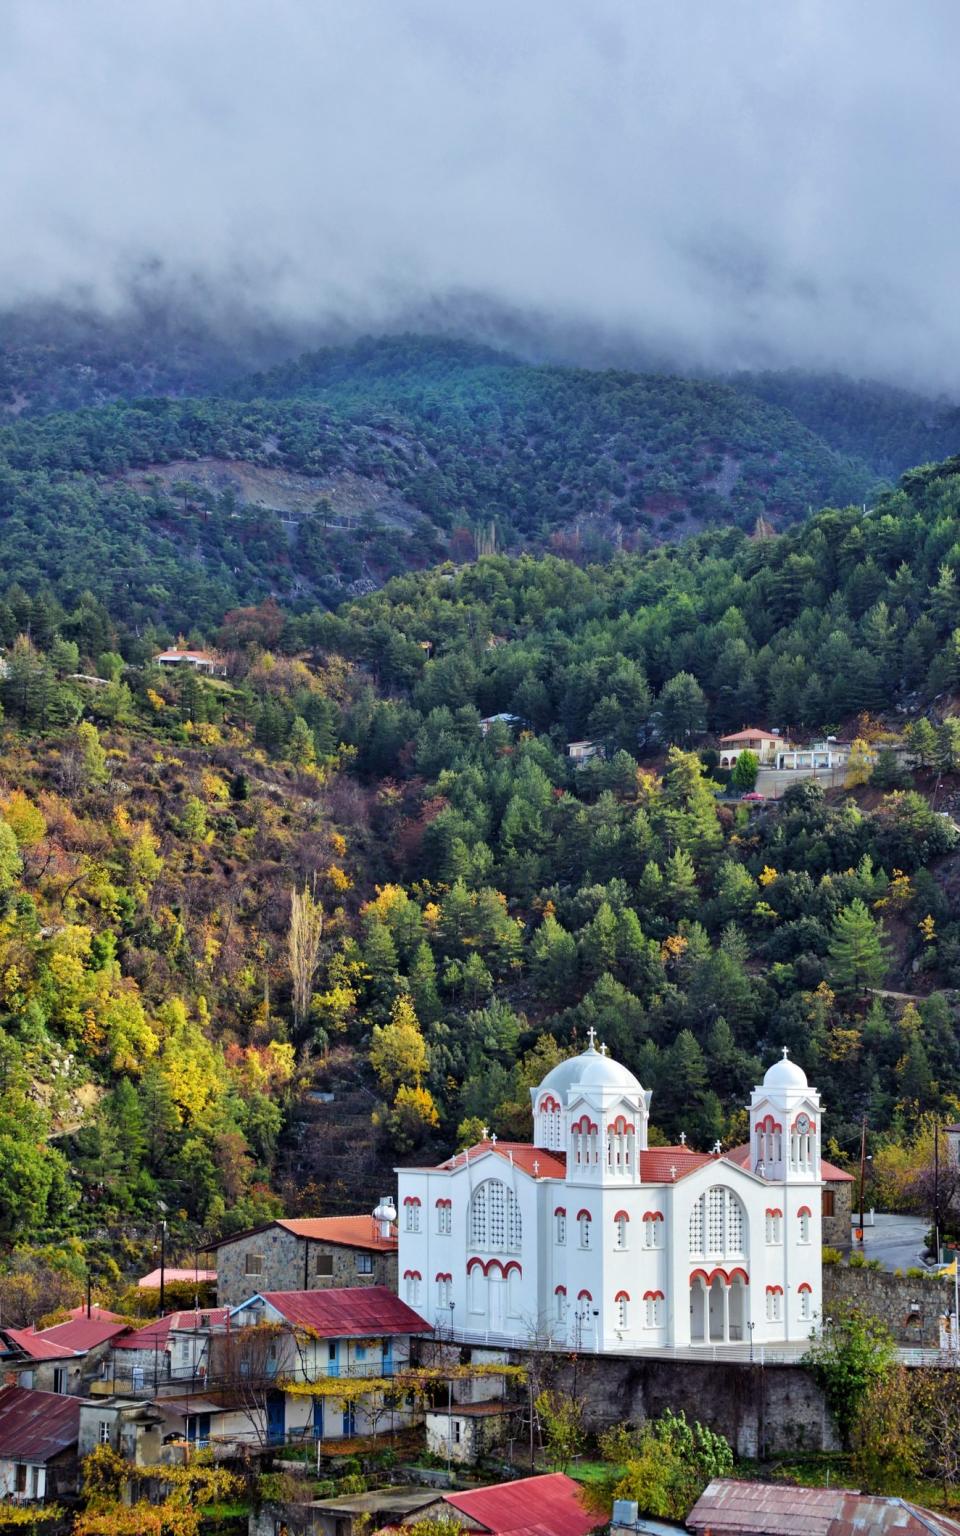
x: 718, y: 187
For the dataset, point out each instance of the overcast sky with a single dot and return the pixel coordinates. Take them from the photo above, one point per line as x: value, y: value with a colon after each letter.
x: 736, y: 181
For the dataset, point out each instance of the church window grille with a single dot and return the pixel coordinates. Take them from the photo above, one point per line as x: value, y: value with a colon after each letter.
x: 805, y: 1304
x: 620, y: 1231
x: 495, y: 1219
x: 561, y: 1221
x: 653, y: 1230
x: 774, y: 1227
x: 717, y: 1224
x: 696, y: 1227
x: 623, y: 1301
x: 444, y: 1218
x: 804, y: 1226
x: 774, y: 1304
x: 585, y: 1225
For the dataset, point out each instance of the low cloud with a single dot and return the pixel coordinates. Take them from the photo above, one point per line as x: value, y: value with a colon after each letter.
x: 724, y: 185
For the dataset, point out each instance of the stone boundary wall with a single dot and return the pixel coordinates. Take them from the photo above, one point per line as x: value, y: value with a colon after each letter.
x: 911, y: 1309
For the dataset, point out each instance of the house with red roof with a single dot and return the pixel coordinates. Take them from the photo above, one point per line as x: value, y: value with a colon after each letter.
x: 590, y: 1238
x: 764, y: 744
x: 549, y: 1505
x: 312, y: 1253
x: 38, y: 1443
x: 64, y: 1358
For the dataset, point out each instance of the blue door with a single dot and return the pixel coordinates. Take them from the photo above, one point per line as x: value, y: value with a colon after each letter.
x: 318, y: 1418
x: 276, y: 1418
x: 333, y: 1358
x: 388, y: 1357
x: 198, y: 1429
x: 350, y: 1419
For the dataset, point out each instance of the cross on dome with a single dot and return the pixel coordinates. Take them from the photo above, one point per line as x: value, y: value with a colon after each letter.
x: 592, y: 1038
x: 786, y: 1052
x: 603, y: 1048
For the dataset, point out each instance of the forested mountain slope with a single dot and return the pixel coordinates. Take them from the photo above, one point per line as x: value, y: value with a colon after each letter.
x: 484, y: 902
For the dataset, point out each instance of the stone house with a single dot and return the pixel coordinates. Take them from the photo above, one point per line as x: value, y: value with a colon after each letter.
x: 466, y: 1431
x: 309, y: 1254
x: 64, y: 1358
x: 162, y: 1356
x: 135, y: 1429
x: 38, y: 1443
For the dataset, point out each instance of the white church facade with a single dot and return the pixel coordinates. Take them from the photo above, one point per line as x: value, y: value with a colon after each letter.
x: 592, y: 1239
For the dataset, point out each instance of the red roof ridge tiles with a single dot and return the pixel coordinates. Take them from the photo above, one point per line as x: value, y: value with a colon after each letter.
x: 360, y: 1231
x: 523, y: 1155
x: 829, y: 1171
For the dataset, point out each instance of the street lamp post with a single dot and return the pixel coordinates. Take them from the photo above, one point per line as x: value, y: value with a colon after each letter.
x: 751, y: 1325
x: 162, y: 1206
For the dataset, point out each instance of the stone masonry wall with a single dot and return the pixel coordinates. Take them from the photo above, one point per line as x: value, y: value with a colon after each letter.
x: 762, y: 1410
x: 836, y: 1228
x: 892, y: 1299
x: 283, y: 1257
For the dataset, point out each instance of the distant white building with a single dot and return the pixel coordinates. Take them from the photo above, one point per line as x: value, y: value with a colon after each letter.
x: 501, y: 719
x: 592, y: 1238
x: 765, y: 744
x: 581, y: 752
x: 200, y: 661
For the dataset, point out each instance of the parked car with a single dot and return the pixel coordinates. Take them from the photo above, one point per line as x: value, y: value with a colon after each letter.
x: 752, y: 795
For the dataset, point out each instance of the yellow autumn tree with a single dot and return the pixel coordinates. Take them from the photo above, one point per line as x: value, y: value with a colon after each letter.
x: 859, y: 764
x: 398, y: 1052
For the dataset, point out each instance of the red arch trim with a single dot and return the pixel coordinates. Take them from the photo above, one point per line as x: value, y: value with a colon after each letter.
x: 708, y: 1279
x: 584, y: 1296
x: 622, y: 1296
x: 741, y: 1273
x: 494, y: 1264
x: 442, y: 1203
x: 653, y: 1215
x: 581, y: 1214
x: 622, y: 1127
x: 584, y: 1124
x: 549, y: 1103
x: 621, y: 1216
x: 774, y: 1290
x: 804, y: 1211
x: 773, y: 1210
x: 767, y: 1124
x: 412, y: 1200
x: 412, y: 1274
x: 806, y: 1287
x: 441, y: 1276
x: 559, y: 1290
x: 653, y: 1296
x: 561, y: 1210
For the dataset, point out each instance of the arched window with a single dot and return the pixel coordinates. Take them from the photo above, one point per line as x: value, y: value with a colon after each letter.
x: 806, y: 1302
x: 412, y: 1278
x: 621, y: 1136
x: 444, y: 1290
x: 620, y: 1229
x: 560, y: 1225
x: 495, y: 1221
x: 718, y: 1224
x: 584, y: 1135
x: 774, y: 1303
x: 584, y: 1223
x: 653, y: 1229
x: 622, y: 1301
x: 551, y: 1127
x: 411, y: 1206
x: 804, y: 1215
x: 653, y: 1309
x: 774, y: 1225
x: 560, y: 1295
x: 444, y: 1218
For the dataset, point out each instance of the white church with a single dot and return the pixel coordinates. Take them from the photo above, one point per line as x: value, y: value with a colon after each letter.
x: 588, y: 1237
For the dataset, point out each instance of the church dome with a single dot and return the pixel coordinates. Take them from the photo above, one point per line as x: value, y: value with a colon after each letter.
x: 591, y: 1069
x: 785, y: 1074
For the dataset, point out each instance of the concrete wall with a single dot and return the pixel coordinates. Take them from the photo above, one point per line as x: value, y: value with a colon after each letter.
x: 284, y: 1256
x: 892, y: 1300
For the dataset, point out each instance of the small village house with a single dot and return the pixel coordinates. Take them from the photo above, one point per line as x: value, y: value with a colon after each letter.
x: 38, y: 1443
x: 765, y: 744
x: 200, y: 661
x: 582, y: 752
x: 551, y: 1502
x: 465, y: 1432
x: 64, y: 1358
x: 140, y: 1362
x: 730, y: 1508
x: 309, y: 1254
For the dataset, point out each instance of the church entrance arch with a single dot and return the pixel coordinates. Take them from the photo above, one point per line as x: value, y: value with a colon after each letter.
x: 718, y: 1306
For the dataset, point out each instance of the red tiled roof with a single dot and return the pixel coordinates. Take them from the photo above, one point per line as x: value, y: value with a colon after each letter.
x: 730, y: 1508
x: 656, y: 1163
x: 154, y: 1335
x: 523, y: 1155
x: 36, y: 1426
x: 81, y: 1333
x: 548, y: 1504
x: 829, y: 1171
x: 345, y: 1231
x: 151, y: 1282
x: 348, y: 1311
x: 751, y: 733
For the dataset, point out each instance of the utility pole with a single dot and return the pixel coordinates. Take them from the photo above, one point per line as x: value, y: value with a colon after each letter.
x: 863, y: 1172
x: 936, y: 1193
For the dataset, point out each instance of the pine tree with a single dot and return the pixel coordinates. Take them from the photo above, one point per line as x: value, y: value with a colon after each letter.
x: 553, y: 963
x: 948, y: 745
x: 858, y: 951
x: 682, y: 708
x: 300, y: 745
x: 922, y: 740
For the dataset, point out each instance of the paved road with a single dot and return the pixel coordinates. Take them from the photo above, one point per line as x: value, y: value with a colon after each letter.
x: 897, y: 1241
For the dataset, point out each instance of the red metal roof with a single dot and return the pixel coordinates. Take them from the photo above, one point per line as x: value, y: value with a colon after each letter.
x: 348, y: 1311
x: 730, y: 1508
x: 102, y: 1313
x: 36, y: 1426
x: 81, y: 1334
x: 26, y: 1342
x: 550, y: 1504
x: 834, y: 1175
x: 155, y: 1335
x: 523, y: 1155
x: 346, y: 1231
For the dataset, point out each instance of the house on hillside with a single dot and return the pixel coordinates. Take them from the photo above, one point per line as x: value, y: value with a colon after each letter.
x: 141, y: 1362
x: 309, y: 1254
x: 582, y: 752
x: 38, y: 1444
x: 337, y: 1340
x: 765, y: 744
x: 551, y: 1502
x: 200, y: 661
x: 64, y: 1358
x: 502, y: 719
